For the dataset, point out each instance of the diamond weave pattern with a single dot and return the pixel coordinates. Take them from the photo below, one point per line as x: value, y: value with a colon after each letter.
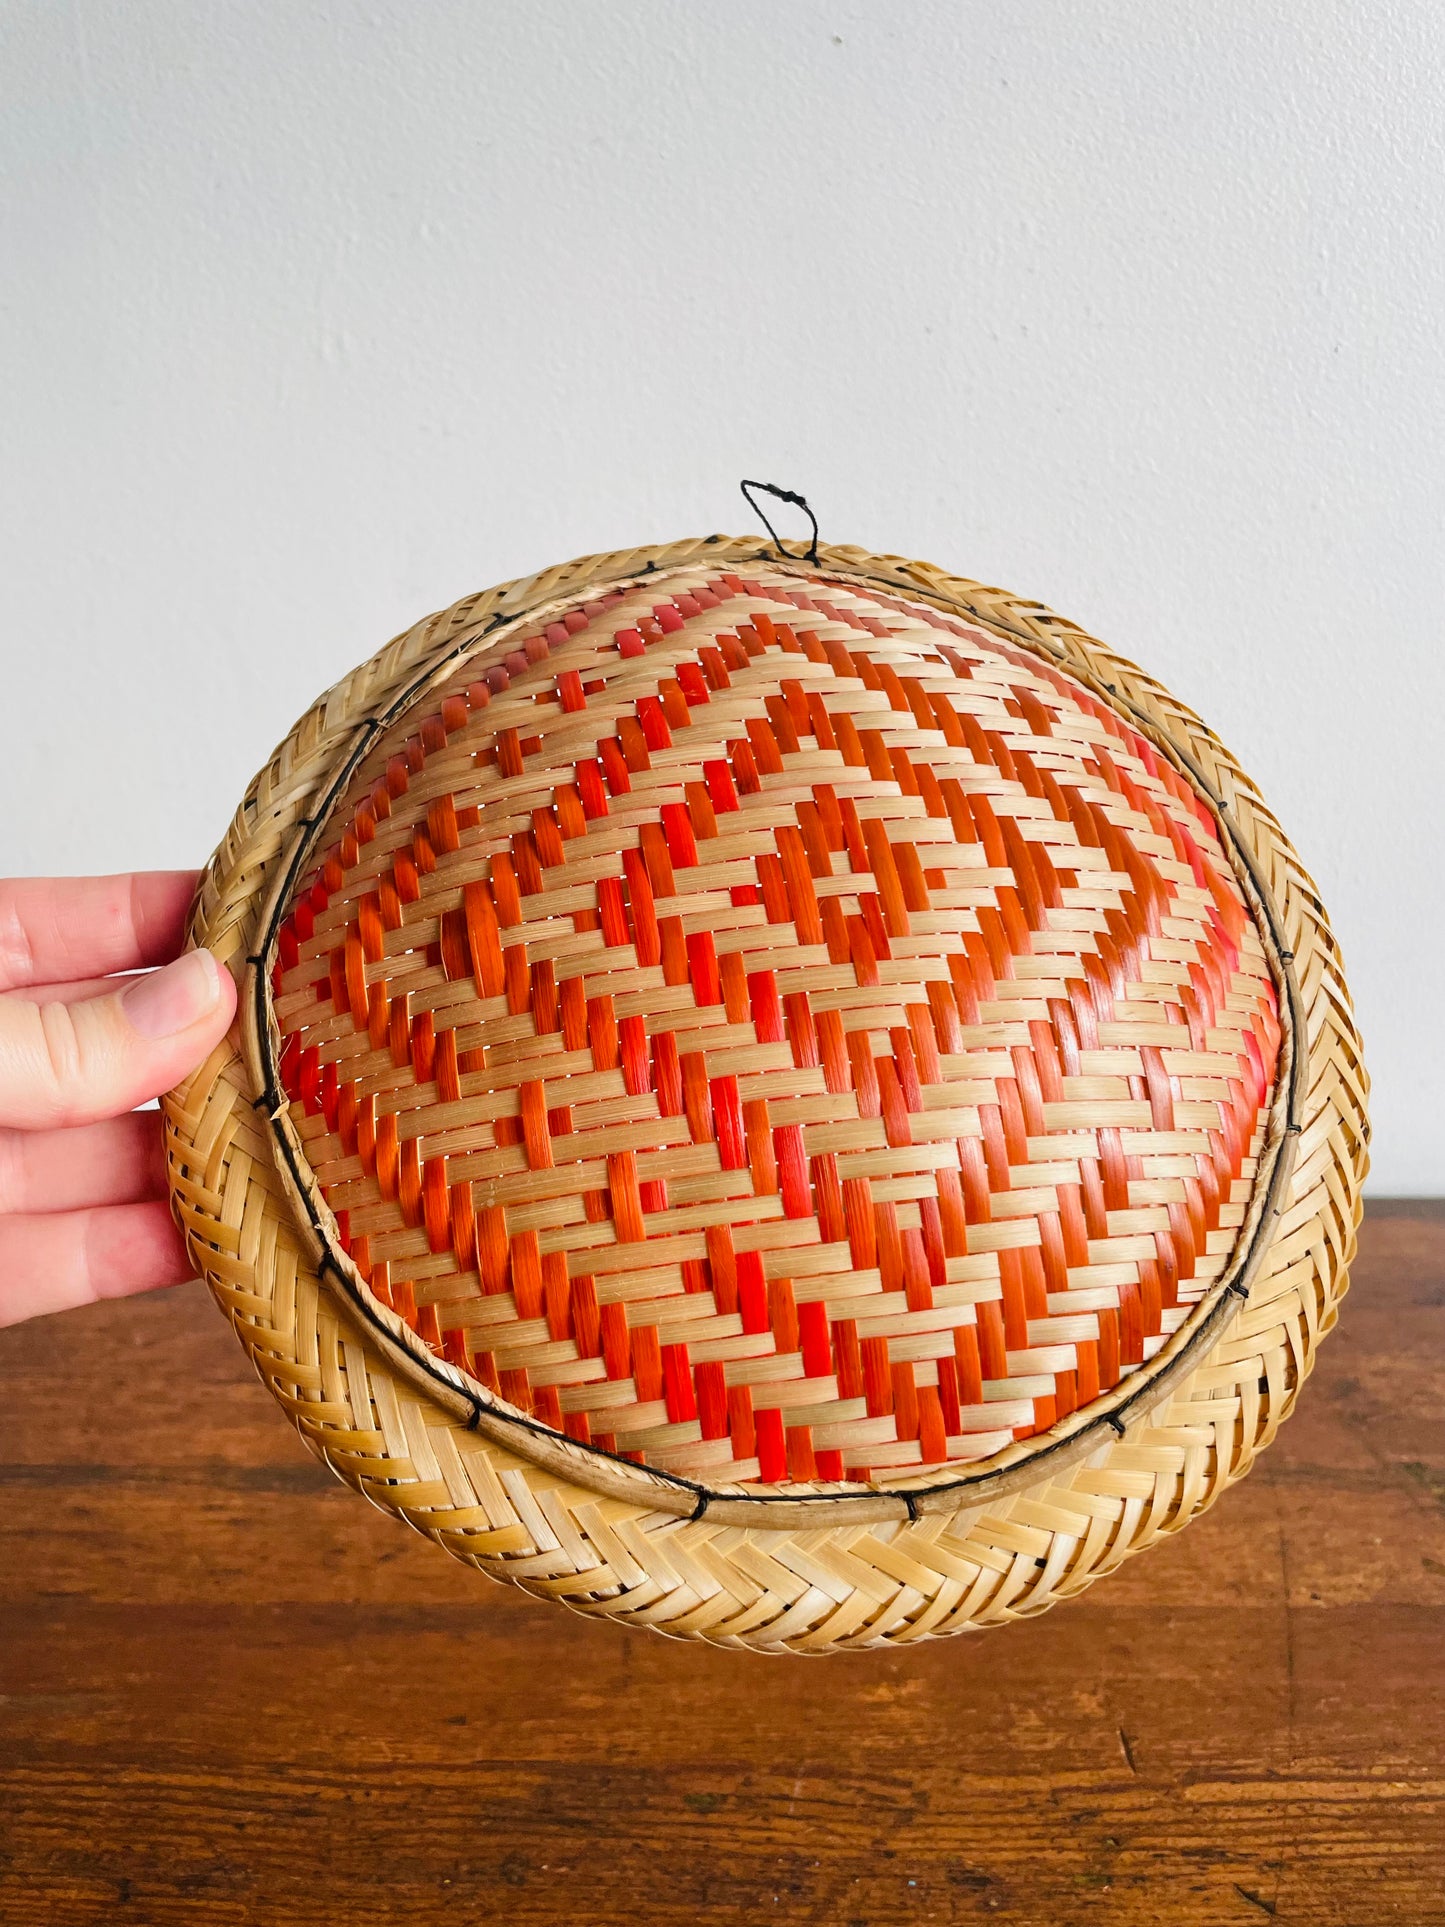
x: 777, y: 1032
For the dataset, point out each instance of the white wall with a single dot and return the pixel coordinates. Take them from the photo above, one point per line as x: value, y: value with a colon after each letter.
x: 315, y: 317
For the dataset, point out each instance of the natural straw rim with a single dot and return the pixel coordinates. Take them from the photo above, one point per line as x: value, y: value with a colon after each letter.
x: 1019, y: 1465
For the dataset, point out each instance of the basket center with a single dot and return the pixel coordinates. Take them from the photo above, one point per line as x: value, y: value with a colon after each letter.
x: 776, y: 1032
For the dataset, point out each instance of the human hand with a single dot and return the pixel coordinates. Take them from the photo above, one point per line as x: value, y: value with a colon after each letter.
x: 83, y: 1212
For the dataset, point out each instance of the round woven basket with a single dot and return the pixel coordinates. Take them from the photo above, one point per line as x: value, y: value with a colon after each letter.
x: 802, y: 1103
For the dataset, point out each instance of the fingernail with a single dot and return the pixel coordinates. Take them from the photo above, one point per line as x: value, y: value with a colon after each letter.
x: 171, y: 1000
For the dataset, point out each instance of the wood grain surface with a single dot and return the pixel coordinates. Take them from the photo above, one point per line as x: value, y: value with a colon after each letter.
x: 230, y: 1692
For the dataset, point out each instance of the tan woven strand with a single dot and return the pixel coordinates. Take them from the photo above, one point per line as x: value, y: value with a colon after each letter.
x: 807, y: 1589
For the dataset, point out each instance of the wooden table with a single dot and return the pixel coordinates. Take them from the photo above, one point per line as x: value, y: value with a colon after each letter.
x: 230, y: 1692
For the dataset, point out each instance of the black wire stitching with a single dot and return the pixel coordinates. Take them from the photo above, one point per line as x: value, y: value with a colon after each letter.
x: 810, y: 554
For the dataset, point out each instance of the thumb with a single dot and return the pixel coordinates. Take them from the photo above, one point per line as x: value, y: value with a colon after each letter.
x: 74, y: 1063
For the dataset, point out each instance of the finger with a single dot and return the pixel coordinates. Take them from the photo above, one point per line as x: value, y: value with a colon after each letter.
x: 114, y: 1162
x: 74, y: 992
x: 54, y: 929
x: 63, y: 1064
x: 71, y: 993
x: 69, y: 1258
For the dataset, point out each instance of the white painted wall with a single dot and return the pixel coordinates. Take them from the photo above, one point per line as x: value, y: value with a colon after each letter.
x: 315, y: 317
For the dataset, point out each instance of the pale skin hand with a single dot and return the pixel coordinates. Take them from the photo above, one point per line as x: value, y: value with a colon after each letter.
x: 83, y: 1212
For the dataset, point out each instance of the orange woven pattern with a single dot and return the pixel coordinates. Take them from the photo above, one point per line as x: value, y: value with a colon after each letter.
x: 777, y: 1032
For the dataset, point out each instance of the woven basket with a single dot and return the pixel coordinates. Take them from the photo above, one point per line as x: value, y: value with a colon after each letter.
x: 798, y: 1103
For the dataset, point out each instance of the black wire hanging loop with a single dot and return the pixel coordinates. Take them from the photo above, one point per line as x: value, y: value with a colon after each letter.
x: 810, y: 554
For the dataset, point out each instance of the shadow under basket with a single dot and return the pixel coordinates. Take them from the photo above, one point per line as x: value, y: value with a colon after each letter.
x: 798, y: 1103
